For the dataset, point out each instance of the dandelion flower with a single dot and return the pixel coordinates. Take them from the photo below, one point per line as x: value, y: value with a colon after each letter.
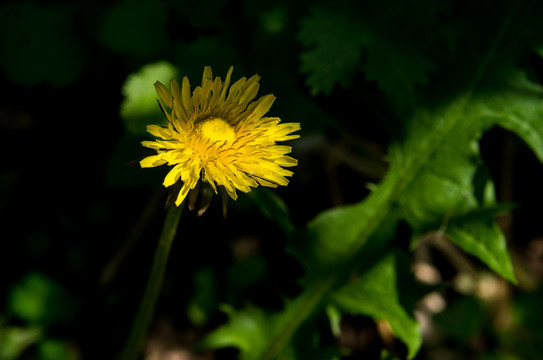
x: 218, y: 138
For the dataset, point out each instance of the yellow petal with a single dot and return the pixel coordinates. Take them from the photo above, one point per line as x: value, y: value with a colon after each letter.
x: 182, y: 194
x: 168, y: 116
x: 235, y: 89
x: 151, y: 144
x: 197, y: 98
x: 286, y: 161
x: 266, y: 183
x: 185, y: 96
x: 177, y: 105
x: 263, y: 106
x: 208, y: 75
x: 226, y: 84
x: 164, y: 94
x: 159, y: 131
x: 152, y: 161
x: 216, y: 91
x: 231, y: 192
x: 173, y: 176
x: 284, y: 129
x: 249, y: 94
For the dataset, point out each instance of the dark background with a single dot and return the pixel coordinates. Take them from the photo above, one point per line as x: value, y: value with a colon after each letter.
x: 79, y: 223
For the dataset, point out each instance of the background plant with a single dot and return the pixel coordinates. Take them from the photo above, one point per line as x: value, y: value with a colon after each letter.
x: 421, y: 126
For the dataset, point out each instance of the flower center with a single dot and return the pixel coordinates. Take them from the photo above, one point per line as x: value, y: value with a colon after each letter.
x: 216, y: 129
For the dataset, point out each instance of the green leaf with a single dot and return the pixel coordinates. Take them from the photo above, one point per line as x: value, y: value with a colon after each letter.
x: 334, y: 37
x: 477, y: 234
x: 375, y: 294
x: 396, y: 65
x: 251, y: 328
x: 344, y: 38
x: 514, y: 103
x: 435, y: 173
x: 450, y: 183
x: 248, y: 330
x: 139, y: 107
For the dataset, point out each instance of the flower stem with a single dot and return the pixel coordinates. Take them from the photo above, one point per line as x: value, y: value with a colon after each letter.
x: 154, y: 284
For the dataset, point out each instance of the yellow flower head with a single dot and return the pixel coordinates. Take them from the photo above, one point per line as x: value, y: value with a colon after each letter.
x: 219, y: 137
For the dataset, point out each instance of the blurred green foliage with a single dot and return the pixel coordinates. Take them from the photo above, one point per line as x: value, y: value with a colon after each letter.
x: 14, y: 340
x: 136, y: 28
x: 45, y: 52
x: 56, y: 350
x: 138, y: 108
x: 39, y: 299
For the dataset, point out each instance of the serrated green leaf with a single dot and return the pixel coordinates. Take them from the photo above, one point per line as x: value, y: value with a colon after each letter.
x: 375, y: 294
x: 335, y: 37
x: 450, y: 182
x: 396, y: 67
x: 514, y: 103
x: 435, y: 173
x: 345, y: 38
x: 139, y: 106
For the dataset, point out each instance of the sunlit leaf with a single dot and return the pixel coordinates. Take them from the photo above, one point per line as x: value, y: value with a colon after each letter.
x: 139, y: 107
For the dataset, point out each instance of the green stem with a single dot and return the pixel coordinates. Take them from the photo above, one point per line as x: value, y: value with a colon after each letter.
x: 154, y: 284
